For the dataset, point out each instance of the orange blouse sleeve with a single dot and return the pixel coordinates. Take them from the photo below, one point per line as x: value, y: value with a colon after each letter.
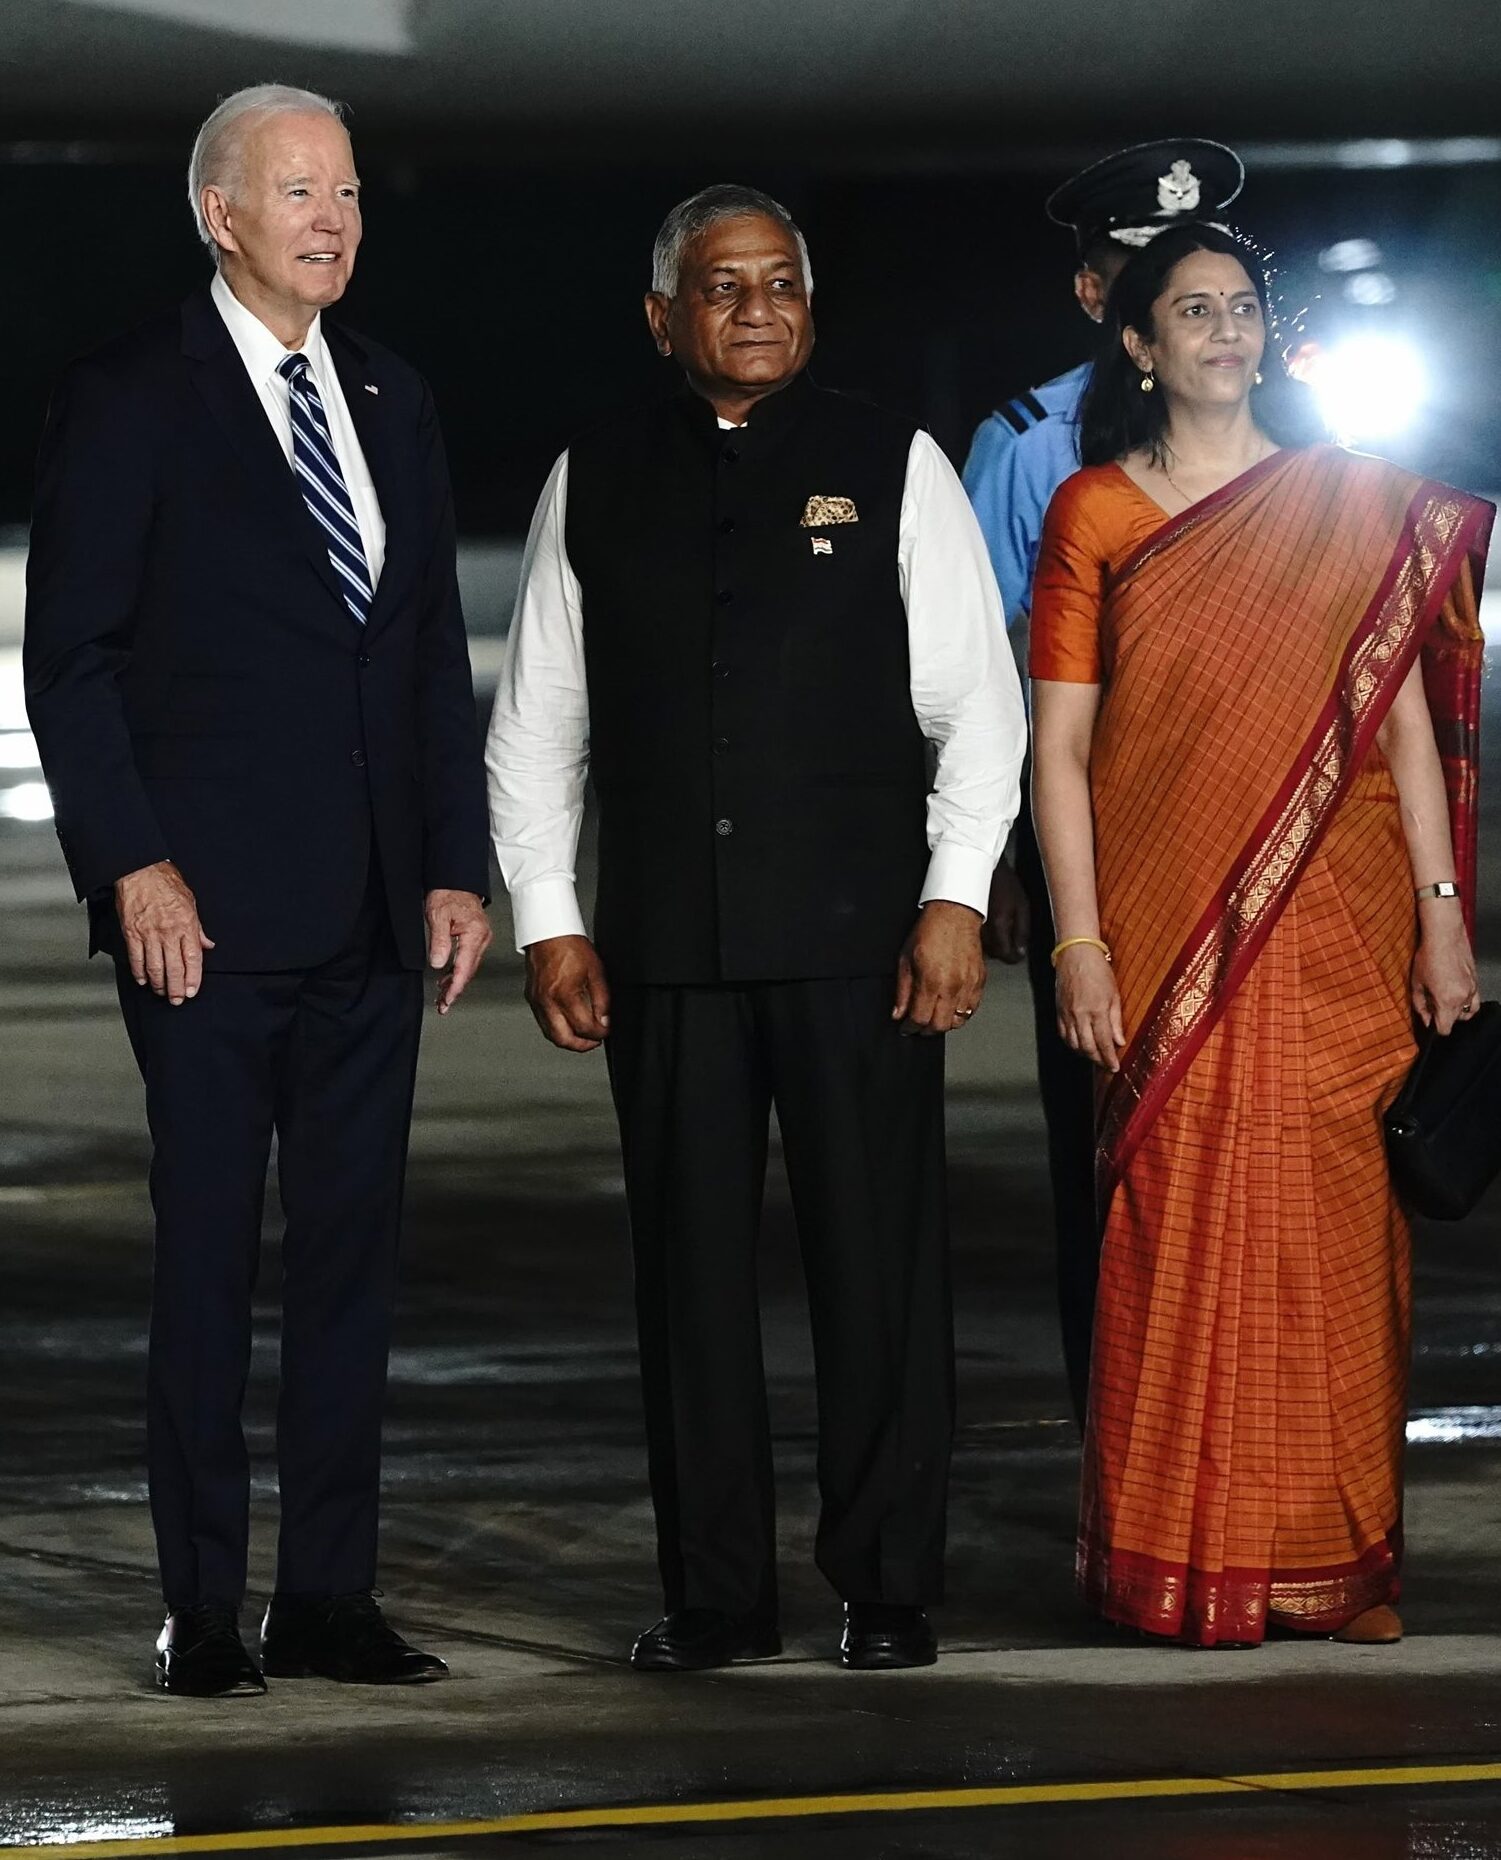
x: 1068, y: 590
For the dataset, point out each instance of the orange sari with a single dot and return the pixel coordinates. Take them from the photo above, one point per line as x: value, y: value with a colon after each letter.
x: 1243, y: 1456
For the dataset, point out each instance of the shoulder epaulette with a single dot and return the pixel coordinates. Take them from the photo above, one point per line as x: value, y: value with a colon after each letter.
x: 1024, y: 412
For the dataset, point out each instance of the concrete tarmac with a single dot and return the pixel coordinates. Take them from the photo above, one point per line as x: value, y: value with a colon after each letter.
x: 518, y: 1535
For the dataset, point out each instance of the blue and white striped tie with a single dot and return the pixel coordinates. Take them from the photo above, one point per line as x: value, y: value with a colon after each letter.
x: 323, y: 489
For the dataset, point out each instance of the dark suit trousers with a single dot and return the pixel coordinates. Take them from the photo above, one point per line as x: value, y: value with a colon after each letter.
x: 1066, y: 1081
x: 695, y: 1072
x: 324, y: 1058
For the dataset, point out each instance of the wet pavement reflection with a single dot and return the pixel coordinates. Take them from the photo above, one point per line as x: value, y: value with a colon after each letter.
x: 517, y: 1534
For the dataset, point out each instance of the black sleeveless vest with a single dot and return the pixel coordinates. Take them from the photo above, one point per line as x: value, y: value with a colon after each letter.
x: 760, y: 773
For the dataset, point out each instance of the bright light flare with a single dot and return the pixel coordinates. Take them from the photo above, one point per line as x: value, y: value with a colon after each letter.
x: 18, y: 750
x: 1350, y: 255
x: 1368, y: 386
x: 1372, y: 290
x: 27, y: 800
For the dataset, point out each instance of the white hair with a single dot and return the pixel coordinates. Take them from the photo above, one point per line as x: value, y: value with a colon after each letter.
x: 707, y: 208
x: 218, y: 158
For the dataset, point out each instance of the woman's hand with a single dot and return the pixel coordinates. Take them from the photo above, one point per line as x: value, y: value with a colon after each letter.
x: 1445, y: 987
x: 1089, y: 1006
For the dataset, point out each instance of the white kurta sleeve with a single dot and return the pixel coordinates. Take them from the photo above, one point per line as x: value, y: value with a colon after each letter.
x: 965, y: 688
x: 537, y: 750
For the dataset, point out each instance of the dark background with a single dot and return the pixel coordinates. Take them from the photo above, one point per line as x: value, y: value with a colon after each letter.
x: 518, y: 158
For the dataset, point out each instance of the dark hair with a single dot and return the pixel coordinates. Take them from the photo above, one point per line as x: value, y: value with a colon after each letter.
x: 1115, y: 417
x: 1098, y: 253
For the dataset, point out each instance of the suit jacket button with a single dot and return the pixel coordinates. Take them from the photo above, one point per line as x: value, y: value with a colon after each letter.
x: 721, y: 744
x: 364, y: 659
x: 357, y: 757
x: 724, y: 828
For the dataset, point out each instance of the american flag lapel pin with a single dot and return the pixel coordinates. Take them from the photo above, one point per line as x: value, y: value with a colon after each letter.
x: 822, y: 545
x: 371, y: 388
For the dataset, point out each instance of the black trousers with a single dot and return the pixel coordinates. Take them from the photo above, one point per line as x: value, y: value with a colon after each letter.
x: 1066, y: 1082
x: 695, y: 1072
x: 325, y: 1058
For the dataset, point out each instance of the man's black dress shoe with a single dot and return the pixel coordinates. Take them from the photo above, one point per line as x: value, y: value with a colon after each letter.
x: 199, y: 1655
x: 690, y: 1640
x: 879, y: 1636
x: 343, y: 1637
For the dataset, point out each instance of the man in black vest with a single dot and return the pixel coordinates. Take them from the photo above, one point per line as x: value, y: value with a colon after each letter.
x: 746, y: 609
x: 247, y: 674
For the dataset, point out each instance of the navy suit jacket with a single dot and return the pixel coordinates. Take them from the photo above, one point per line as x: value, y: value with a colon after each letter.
x: 198, y: 688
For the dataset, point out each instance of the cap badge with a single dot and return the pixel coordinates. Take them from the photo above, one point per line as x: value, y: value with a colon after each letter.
x: 1178, y: 189
x: 821, y: 510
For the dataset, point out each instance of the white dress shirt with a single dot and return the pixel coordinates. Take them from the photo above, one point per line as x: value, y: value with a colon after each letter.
x: 965, y: 694
x: 261, y: 352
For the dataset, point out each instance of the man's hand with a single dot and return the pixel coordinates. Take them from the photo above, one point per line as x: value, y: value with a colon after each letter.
x: 567, y: 992
x: 164, y: 940
x: 457, y: 929
x: 1009, y: 922
x: 940, y: 975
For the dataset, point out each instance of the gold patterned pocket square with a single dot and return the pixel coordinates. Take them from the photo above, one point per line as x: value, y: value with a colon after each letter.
x: 824, y: 510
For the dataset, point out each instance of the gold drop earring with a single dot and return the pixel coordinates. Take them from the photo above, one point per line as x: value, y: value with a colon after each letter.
x: 1147, y: 381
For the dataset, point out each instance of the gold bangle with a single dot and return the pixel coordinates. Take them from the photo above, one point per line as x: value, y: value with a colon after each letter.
x: 1070, y: 942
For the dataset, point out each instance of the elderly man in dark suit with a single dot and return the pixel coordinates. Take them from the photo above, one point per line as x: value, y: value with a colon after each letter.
x: 247, y: 674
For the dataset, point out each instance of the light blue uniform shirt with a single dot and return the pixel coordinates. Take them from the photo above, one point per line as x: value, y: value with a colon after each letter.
x: 1018, y: 458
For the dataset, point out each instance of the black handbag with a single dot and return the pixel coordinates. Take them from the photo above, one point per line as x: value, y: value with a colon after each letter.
x: 1443, y: 1131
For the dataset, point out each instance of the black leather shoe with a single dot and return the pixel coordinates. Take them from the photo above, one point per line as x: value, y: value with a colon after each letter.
x: 879, y: 1636
x: 690, y: 1640
x: 344, y: 1637
x: 199, y: 1655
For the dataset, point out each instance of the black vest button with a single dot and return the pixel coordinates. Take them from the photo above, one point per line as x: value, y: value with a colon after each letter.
x: 725, y: 596
x: 724, y: 828
x: 721, y: 744
x: 721, y: 670
x: 357, y: 757
x: 730, y: 454
x: 727, y: 526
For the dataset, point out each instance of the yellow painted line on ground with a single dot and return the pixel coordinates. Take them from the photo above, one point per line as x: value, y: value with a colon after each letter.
x: 775, y: 1808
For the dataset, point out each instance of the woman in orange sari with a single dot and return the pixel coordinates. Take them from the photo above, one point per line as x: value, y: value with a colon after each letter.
x: 1256, y: 672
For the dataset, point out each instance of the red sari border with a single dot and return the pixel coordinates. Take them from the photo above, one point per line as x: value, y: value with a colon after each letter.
x: 1188, y: 520
x: 1236, y: 1604
x: 1234, y: 928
